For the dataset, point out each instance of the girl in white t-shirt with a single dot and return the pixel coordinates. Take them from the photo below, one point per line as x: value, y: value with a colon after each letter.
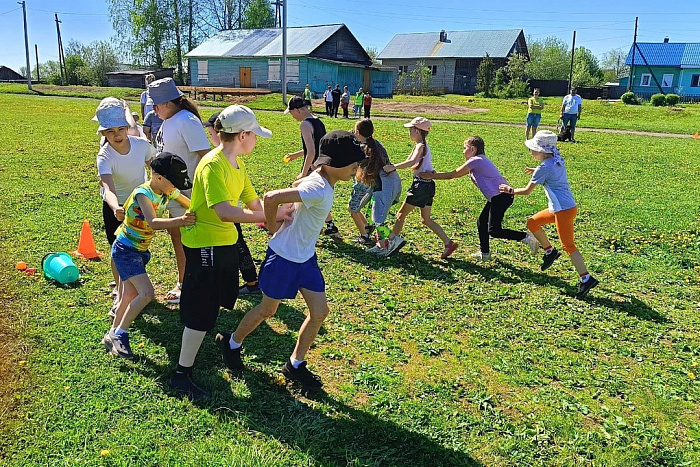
x: 421, y: 193
x: 182, y: 134
x: 121, y: 165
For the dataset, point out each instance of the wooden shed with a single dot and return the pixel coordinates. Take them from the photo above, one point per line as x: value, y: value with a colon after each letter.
x: 135, y: 78
x: 8, y: 74
x: 320, y: 56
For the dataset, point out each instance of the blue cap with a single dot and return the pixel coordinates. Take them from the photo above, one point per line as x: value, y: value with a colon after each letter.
x: 110, y: 114
x: 163, y: 90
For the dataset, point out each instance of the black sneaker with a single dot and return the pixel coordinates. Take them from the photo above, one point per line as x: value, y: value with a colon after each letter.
x: 584, y: 287
x: 370, y: 228
x: 182, y: 384
x: 248, y: 289
x: 231, y: 357
x: 330, y: 229
x: 549, y: 258
x: 365, y: 240
x: 309, y: 381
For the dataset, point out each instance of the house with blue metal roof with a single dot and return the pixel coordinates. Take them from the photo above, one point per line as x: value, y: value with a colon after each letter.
x: 321, y: 56
x: 452, y: 56
x: 664, y: 67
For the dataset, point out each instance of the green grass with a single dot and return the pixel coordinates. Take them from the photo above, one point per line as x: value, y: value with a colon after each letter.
x: 71, y: 91
x: 426, y: 362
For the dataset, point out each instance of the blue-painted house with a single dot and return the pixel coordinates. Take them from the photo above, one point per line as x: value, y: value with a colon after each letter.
x: 321, y: 56
x: 676, y: 67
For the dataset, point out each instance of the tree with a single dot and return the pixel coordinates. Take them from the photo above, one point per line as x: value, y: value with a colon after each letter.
x: 550, y: 58
x: 587, y: 71
x: 372, y: 52
x: 613, y: 64
x: 258, y: 14
x: 510, y: 81
x: 98, y: 58
x: 484, y: 76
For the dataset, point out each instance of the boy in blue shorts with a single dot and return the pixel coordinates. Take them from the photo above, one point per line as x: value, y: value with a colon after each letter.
x: 143, y: 215
x: 290, y: 265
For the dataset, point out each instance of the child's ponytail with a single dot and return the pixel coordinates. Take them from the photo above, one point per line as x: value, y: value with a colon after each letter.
x: 186, y: 104
x: 423, y: 149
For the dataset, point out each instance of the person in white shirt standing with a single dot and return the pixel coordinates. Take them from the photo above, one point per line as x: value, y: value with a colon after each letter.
x: 146, y: 101
x: 181, y: 134
x: 571, y: 111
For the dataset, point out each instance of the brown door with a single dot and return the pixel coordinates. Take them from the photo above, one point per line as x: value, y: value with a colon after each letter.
x: 366, y: 84
x: 244, y: 75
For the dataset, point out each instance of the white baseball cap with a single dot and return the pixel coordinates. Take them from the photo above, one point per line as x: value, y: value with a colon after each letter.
x: 238, y: 118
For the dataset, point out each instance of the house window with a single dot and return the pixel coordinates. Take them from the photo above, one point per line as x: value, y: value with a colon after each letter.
x: 275, y: 74
x: 646, y: 79
x: 203, y: 70
x: 403, y: 68
x: 667, y: 81
x: 695, y: 81
x: 433, y: 70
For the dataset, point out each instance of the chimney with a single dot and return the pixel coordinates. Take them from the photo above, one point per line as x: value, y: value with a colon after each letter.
x: 666, y: 40
x: 443, y: 36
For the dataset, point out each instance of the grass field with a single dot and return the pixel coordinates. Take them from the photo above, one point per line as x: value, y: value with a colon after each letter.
x: 425, y: 362
x: 596, y: 114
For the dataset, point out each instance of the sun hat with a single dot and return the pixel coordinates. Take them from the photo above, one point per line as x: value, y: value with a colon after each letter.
x: 339, y: 149
x: 420, y: 123
x: 543, y: 141
x: 110, y: 114
x: 163, y: 90
x: 173, y: 168
x: 238, y: 118
x: 295, y: 102
x: 210, y: 122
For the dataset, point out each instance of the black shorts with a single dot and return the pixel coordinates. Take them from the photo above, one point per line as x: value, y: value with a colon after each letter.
x: 421, y: 193
x: 207, y: 285
x: 111, y: 222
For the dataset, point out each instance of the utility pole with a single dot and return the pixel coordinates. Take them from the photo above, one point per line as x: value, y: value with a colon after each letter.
x: 571, y: 69
x: 26, y: 44
x: 36, y: 50
x: 61, y: 58
x: 634, y: 49
x: 278, y: 13
x: 284, y: 51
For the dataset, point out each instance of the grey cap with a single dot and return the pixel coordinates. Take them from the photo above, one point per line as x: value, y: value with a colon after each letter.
x: 163, y: 90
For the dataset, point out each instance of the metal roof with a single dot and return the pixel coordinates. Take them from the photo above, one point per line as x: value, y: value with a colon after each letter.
x: 264, y: 42
x: 676, y: 54
x: 460, y: 44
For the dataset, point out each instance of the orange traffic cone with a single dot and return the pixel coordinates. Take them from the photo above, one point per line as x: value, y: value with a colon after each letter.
x: 86, y: 245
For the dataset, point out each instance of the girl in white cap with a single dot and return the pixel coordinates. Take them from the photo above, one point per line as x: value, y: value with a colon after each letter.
x: 181, y: 133
x: 551, y: 174
x: 121, y: 167
x: 421, y: 193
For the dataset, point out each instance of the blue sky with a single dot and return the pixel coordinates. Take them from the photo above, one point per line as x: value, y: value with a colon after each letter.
x: 600, y: 25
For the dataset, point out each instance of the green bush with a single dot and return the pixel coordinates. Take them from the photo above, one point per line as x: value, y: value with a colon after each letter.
x: 658, y: 100
x: 672, y: 99
x: 629, y: 98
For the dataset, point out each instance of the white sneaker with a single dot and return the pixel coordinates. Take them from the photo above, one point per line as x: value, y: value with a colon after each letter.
x: 395, y: 244
x: 532, y: 242
x: 481, y: 257
x: 377, y: 250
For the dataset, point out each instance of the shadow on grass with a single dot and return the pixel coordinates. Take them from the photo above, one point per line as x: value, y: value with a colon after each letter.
x: 629, y: 305
x: 329, y: 431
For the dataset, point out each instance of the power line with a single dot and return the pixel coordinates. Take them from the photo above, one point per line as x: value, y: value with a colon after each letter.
x: 10, y: 11
x: 68, y: 13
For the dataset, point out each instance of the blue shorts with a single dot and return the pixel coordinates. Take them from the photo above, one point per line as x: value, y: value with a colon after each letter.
x: 570, y: 119
x: 280, y: 278
x: 534, y: 119
x: 128, y: 261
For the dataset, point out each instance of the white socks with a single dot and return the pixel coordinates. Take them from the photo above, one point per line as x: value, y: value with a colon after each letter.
x: 295, y: 363
x: 233, y: 344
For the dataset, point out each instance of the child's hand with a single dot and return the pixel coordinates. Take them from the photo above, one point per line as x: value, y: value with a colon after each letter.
x: 505, y: 188
x: 389, y: 168
x: 285, y: 212
x: 529, y: 170
x: 188, y: 218
x: 291, y: 156
x: 426, y: 175
x: 119, y: 213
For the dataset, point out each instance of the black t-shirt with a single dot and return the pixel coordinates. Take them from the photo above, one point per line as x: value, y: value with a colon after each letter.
x: 336, y: 95
x: 319, y: 130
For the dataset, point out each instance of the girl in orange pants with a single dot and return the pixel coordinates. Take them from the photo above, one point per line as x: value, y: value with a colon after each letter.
x: 551, y: 174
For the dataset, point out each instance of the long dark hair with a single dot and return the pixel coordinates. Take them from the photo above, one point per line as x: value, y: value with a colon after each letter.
x: 184, y: 103
x: 374, y: 162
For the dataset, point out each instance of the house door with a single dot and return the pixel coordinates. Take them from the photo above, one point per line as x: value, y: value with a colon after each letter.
x: 367, y: 82
x: 244, y: 77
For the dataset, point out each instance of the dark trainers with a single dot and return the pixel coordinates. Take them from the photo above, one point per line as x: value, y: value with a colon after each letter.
x: 231, y: 357
x: 182, y: 384
x: 309, y: 381
x: 370, y: 228
x: 365, y: 240
x: 550, y: 258
x: 119, y: 345
x: 248, y: 289
x: 584, y: 287
x: 330, y: 229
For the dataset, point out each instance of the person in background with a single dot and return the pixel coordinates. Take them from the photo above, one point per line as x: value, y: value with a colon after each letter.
x: 570, y: 113
x: 146, y: 101
x: 307, y: 96
x: 357, y: 109
x: 345, y: 101
x: 535, y: 104
x: 336, y: 100
x: 151, y: 125
x: 367, y: 103
x: 328, y: 97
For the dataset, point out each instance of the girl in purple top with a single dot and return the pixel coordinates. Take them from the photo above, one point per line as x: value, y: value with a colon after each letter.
x: 487, y: 178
